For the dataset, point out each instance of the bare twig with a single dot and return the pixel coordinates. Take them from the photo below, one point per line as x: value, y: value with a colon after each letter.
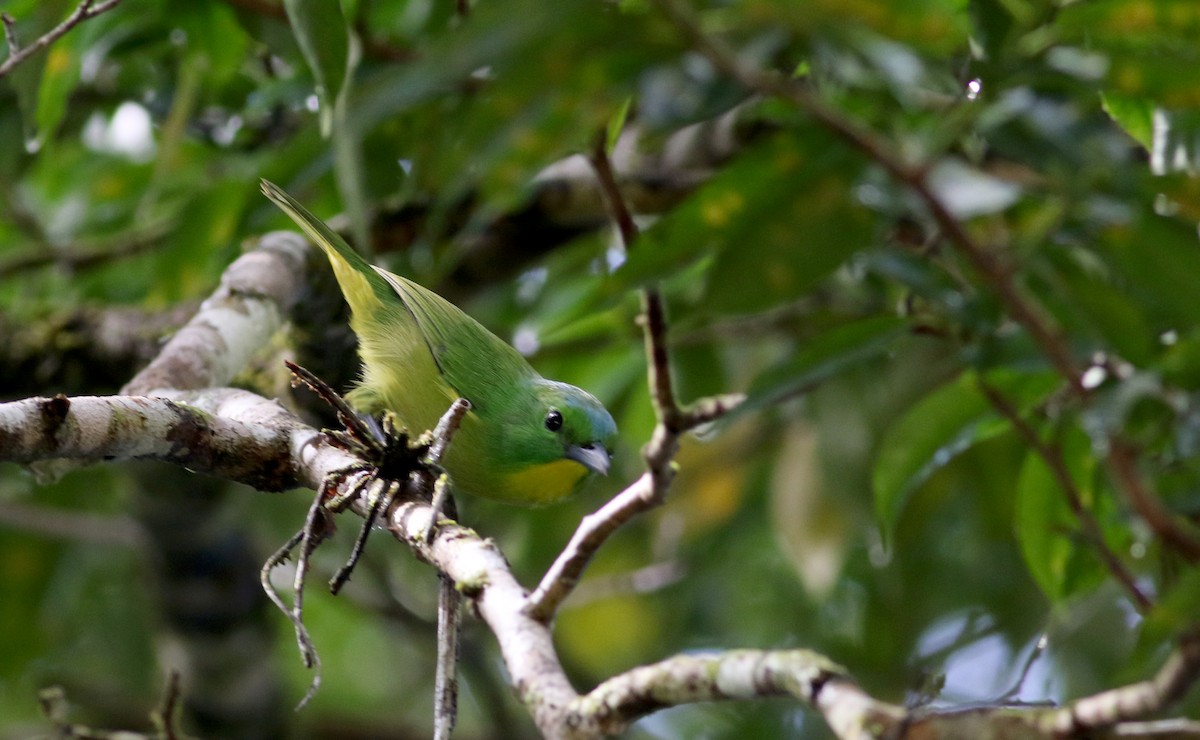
x: 1052, y: 457
x: 443, y: 433
x: 165, y: 716
x: 614, y: 200
x: 17, y: 54
x: 445, y: 683
x: 649, y: 490
x: 564, y: 574
x: 1036, y: 653
x: 10, y: 33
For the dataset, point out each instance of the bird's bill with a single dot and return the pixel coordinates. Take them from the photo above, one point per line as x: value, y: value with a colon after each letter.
x: 591, y: 456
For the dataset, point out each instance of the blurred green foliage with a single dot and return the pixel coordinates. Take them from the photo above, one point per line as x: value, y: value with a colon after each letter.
x: 870, y: 502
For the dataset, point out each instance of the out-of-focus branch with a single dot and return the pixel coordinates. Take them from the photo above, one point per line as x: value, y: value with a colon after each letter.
x: 242, y: 436
x: 99, y: 529
x: 994, y: 267
x: 18, y: 53
x: 1052, y: 457
x: 81, y: 257
x: 1123, y: 464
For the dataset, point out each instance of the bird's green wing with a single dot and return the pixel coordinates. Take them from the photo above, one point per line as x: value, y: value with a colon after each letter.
x: 478, y: 364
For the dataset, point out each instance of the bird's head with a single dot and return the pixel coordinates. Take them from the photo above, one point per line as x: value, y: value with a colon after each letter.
x: 573, y: 425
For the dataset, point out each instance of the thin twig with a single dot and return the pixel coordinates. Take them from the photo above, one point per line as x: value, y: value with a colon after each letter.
x: 1035, y: 654
x: 445, y: 683
x: 10, y: 33
x: 304, y: 641
x: 1122, y: 462
x: 566, y: 570
x: 445, y: 430
x: 648, y: 491
x: 77, y: 257
x: 86, y: 9
x: 613, y: 199
x: 165, y: 716
x: 443, y: 434
x: 1052, y: 457
x: 381, y: 503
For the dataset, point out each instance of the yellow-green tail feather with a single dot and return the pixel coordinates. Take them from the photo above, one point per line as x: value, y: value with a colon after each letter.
x: 363, y: 287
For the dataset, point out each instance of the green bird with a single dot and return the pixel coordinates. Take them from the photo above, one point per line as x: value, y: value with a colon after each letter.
x: 526, y: 440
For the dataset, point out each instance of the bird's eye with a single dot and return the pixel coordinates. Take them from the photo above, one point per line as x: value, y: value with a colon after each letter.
x: 554, y: 420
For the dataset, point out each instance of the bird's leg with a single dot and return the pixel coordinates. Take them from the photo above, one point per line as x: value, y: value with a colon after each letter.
x: 441, y: 495
x: 439, y: 443
x: 381, y: 502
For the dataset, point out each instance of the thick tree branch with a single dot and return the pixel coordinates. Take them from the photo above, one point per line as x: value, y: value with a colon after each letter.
x: 256, y: 294
x: 228, y: 433
x: 482, y: 574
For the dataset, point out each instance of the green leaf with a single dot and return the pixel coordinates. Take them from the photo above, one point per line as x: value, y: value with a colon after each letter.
x: 943, y: 425
x: 826, y: 356
x: 779, y: 220
x: 616, y: 125
x: 1145, y: 48
x: 323, y: 37
x: 544, y: 79
x: 27, y: 77
x: 1176, y: 610
x: 1134, y: 115
x: 1156, y: 262
x: 932, y: 25
x: 1046, y: 528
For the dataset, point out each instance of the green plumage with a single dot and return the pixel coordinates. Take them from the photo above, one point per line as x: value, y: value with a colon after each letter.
x: 527, y: 440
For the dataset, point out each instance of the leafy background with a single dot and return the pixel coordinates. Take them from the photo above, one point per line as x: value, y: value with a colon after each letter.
x: 871, y: 503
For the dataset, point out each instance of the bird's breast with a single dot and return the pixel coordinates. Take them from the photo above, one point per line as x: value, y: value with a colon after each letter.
x: 547, y: 482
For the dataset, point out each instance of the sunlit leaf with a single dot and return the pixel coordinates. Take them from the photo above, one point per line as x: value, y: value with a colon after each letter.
x: 1175, y: 141
x: 1135, y: 115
